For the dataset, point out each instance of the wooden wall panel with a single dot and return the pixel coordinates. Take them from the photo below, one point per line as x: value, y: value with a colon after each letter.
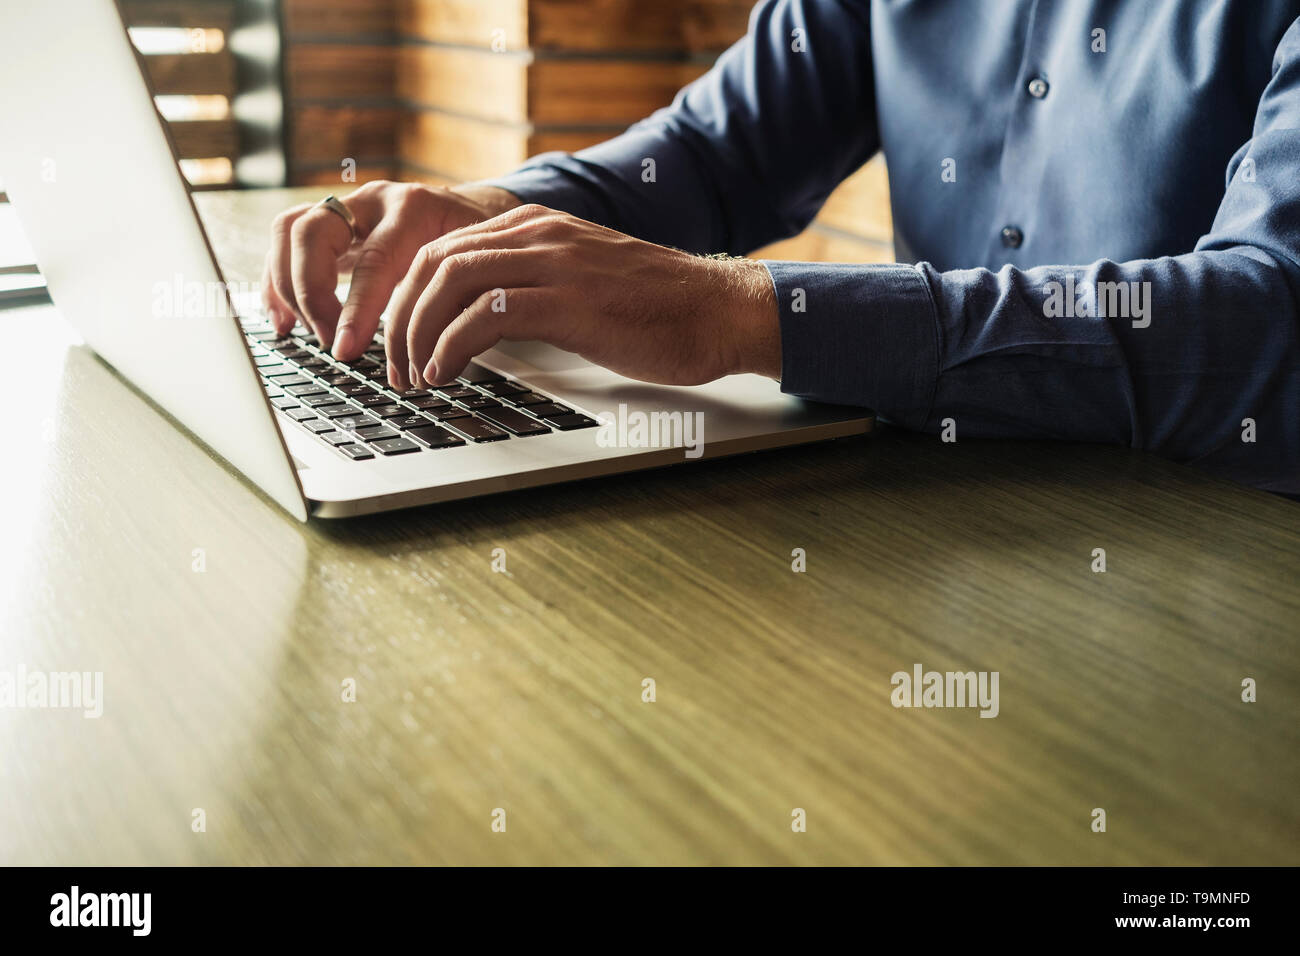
x: 340, y: 71
x: 452, y: 90
x: 325, y: 135
x: 471, y: 23
x: 468, y: 81
x: 192, y: 74
x: 340, y: 74
x: 354, y: 19
x: 212, y: 14
x: 205, y: 139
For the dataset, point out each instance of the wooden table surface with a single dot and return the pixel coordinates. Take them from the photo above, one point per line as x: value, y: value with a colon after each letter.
x: 478, y: 690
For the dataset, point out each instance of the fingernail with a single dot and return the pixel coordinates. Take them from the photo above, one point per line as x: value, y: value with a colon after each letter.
x: 415, y: 376
x: 431, y: 372
x: 343, y: 343
x: 394, y: 379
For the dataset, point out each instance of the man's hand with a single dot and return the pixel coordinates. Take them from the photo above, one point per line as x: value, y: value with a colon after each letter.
x: 643, y: 310
x: 393, y: 220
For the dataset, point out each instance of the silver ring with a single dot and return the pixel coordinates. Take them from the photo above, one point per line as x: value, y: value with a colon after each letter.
x: 335, y: 205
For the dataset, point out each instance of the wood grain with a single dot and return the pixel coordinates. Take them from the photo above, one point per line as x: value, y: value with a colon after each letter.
x: 522, y: 690
x: 328, y: 134
x: 340, y: 71
x: 463, y: 148
x: 210, y: 14
x: 205, y: 139
x: 344, y: 19
x: 192, y: 74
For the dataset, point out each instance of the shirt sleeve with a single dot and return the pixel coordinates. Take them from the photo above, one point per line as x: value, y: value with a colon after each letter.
x: 1194, y: 356
x: 746, y: 154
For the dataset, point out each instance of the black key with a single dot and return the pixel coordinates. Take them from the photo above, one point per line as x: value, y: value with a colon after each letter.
x: 355, y: 389
x: 476, y: 430
x: 374, y: 433
x: 514, y: 421
x: 301, y: 414
x: 389, y: 411
x: 353, y: 422
x: 266, y: 361
x: 458, y: 391
x: 266, y: 335
x: 308, y: 339
x: 338, y: 438
x: 309, y: 389
x: 567, y: 423
x: 377, y: 374
x: 336, y: 411
x: 373, y: 399
x: 360, y: 364
x: 407, y: 421
x: 549, y: 410
x: 316, y: 401
x: 503, y: 388
x: 414, y: 393
x: 434, y: 437
x: 525, y: 398
x: 337, y: 379
x: 357, y: 452
x: 394, y: 446
x: 443, y: 414
x: 314, y: 364
x: 476, y: 402
x: 284, y: 402
x: 284, y: 376
x: 427, y: 401
x: 278, y: 343
x: 318, y: 426
x: 475, y: 374
x: 294, y: 354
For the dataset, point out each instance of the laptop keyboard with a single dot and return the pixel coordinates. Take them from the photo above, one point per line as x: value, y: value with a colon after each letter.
x: 350, y: 407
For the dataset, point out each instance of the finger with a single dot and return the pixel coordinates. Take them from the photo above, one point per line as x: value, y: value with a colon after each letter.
x: 278, y: 291
x: 319, y: 239
x: 532, y: 314
x: 460, y: 281
x: 381, y: 263
x: 280, y: 318
x: 420, y: 273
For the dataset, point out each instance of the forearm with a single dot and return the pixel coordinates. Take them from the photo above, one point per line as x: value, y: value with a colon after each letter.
x: 1171, y: 355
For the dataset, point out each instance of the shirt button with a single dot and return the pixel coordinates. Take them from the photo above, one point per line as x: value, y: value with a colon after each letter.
x: 1038, y: 87
x: 1012, y: 237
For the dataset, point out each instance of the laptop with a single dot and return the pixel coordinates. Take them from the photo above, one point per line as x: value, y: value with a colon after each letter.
x: 91, y: 171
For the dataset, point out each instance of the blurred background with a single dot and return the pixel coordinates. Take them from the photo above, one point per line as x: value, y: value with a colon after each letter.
x: 335, y: 93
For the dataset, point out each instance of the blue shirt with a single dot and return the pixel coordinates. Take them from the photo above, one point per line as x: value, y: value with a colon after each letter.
x: 1096, y: 208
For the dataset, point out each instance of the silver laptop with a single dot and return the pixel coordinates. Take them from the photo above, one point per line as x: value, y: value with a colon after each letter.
x: 88, y: 164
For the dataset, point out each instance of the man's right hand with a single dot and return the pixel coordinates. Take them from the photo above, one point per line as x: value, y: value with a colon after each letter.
x: 310, y: 244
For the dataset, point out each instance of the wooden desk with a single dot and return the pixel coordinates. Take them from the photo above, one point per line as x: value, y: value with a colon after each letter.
x: 523, y: 691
